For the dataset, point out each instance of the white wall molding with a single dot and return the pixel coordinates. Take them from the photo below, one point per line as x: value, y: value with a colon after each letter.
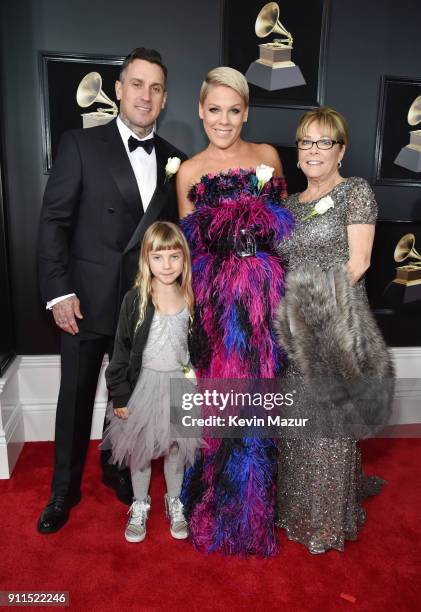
x: 12, y: 432
x: 407, y: 361
x: 407, y: 404
x: 39, y: 377
x: 29, y: 391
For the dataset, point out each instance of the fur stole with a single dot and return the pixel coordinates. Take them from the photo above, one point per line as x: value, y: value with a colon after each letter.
x: 328, y: 331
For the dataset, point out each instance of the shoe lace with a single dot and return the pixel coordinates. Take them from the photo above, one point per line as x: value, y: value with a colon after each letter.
x: 176, y: 509
x: 138, y: 512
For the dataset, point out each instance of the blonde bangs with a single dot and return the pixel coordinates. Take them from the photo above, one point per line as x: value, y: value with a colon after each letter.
x: 228, y: 77
x: 162, y: 236
x: 165, y: 241
x: 332, y: 123
x: 327, y: 125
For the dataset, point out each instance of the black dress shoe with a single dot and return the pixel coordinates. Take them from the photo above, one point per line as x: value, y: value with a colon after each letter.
x: 56, y: 513
x: 120, y: 481
x: 115, y: 478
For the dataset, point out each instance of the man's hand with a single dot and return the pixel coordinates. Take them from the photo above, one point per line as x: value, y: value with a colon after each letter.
x: 64, y: 314
x: 121, y: 413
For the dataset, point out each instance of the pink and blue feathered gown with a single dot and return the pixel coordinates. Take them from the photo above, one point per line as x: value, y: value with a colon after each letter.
x: 229, y: 494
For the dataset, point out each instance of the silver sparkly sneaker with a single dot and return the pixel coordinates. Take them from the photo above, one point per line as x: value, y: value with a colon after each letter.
x: 175, y: 512
x: 136, y: 525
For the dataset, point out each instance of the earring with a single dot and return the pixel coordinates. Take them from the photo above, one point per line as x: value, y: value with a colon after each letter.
x: 339, y: 164
x: 298, y: 165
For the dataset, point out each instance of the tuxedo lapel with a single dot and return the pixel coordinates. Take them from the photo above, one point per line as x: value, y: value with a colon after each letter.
x: 122, y: 173
x: 159, y: 197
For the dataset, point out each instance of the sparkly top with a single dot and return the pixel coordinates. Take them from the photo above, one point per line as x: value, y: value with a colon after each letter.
x: 166, y: 348
x: 322, y: 240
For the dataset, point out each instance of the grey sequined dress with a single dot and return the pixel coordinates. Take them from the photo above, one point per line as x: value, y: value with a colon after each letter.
x: 320, y: 480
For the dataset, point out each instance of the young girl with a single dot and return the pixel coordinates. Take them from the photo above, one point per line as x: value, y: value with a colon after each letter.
x: 150, y: 349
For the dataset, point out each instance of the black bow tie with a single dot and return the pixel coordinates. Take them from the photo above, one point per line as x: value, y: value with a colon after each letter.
x: 148, y: 145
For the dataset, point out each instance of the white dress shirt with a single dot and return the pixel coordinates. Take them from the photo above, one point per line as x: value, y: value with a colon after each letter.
x: 143, y: 164
x: 144, y: 168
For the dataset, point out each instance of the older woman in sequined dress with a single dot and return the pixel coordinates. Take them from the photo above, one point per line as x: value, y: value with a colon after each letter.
x: 321, y: 482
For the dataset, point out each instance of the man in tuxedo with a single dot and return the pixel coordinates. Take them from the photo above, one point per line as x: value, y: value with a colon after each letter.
x: 106, y: 187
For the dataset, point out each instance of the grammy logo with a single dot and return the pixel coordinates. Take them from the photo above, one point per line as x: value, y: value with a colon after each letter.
x: 274, y: 68
x: 410, y: 156
x: 409, y: 274
x: 89, y: 92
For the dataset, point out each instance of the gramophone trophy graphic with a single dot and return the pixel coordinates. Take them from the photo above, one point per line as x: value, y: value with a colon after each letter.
x: 410, y: 156
x: 90, y: 91
x: 274, y: 68
x: 408, y: 276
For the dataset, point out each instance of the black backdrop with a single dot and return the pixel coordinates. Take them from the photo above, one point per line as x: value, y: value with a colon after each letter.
x: 240, y: 45
x: 6, y: 318
x: 366, y: 40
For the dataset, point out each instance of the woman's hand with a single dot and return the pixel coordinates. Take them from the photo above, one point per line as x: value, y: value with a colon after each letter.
x: 121, y: 413
x: 355, y: 270
x: 360, y: 243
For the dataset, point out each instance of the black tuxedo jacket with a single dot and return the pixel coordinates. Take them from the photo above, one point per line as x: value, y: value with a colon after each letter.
x: 92, y: 221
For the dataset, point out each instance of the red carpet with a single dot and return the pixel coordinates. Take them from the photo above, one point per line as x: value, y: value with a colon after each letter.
x: 90, y: 558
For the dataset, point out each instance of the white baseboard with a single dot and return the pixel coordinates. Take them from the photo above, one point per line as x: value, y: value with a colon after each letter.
x: 39, y: 378
x: 29, y: 391
x: 12, y: 431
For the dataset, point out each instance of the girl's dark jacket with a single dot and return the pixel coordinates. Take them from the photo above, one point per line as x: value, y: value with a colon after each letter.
x: 125, y: 365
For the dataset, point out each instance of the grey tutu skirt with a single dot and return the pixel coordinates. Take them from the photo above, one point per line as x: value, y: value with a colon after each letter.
x: 146, y: 433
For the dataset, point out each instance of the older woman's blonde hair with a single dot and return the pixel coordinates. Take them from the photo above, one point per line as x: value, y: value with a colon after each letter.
x: 229, y: 77
x: 162, y: 236
x: 331, y: 121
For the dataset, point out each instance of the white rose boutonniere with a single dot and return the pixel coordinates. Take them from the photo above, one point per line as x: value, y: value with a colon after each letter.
x: 172, y: 167
x: 263, y: 174
x: 189, y: 373
x: 321, y: 207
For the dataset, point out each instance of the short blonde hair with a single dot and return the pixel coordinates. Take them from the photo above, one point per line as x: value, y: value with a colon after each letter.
x: 331, y: 120
x: 229, y: 77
